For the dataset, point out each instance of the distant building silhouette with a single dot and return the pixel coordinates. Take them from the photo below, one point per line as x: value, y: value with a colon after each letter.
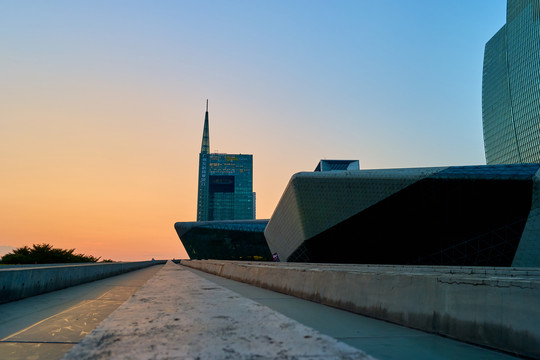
x: 511, y: 87
x: 224, y: 239
x: 225, y: 183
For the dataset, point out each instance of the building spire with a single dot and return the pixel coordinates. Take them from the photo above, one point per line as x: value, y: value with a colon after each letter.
x: 205, y: 147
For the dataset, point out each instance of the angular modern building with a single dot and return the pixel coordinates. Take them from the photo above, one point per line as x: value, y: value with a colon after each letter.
x: 225, y: 183
x: 462, y: 215
x: 511, y: 87
x: 225, y: 240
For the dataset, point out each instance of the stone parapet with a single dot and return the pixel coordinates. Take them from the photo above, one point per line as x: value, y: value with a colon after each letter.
x: 489, y: 306
x: 20, y: 282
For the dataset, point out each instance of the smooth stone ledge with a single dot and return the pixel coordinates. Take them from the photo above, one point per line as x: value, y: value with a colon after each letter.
x: 493, y: 307
x: 179, y: 315
x: 20, y: 282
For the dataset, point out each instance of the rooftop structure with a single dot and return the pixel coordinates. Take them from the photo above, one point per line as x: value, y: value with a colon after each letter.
x: 337, y: 165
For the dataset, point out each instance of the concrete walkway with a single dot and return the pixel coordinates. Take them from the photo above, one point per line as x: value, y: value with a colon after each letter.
x: 380, y: 339
x: 487, y: 306
x: 180, y: 315
x: 49, y: 325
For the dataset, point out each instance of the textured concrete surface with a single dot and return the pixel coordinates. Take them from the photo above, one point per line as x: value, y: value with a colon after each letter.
x: 48, y: 325
x: 21, y: 282
x: 380, y: 339
x: 179, y: 315
x: 494, y: 307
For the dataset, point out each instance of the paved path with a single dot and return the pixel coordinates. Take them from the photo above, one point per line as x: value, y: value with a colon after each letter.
x: 47, y: 326
x: 379, y: 339
x: 180, y: 315
x: 165, y: 320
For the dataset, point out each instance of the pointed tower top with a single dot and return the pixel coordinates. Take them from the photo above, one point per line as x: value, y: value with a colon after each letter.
x: 205, y: 147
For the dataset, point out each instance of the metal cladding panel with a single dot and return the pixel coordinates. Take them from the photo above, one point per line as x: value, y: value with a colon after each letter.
x: 314, y: 202
x: 286, y: 231
x: 491, y: 172
x: 528, y: 251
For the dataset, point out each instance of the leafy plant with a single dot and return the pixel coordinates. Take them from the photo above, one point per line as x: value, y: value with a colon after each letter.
x: 45, y: 254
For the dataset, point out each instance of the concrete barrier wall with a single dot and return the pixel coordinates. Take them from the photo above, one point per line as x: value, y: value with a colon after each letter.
x: 21, y: 282
x: 494, y: 307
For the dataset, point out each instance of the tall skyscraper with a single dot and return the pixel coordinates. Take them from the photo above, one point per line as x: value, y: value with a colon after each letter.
x: 225, y: 183
x: 511, y: 87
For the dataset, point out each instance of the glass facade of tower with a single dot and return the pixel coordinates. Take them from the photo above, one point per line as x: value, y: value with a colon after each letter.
x: 511, y: 87
x: 230, y: 187
x: 225, y: 184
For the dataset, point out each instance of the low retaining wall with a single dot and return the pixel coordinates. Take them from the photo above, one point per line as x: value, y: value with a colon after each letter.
x: 494, y: 307
x: 18, y: 283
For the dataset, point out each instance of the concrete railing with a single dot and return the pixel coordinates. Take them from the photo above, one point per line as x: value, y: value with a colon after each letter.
x: 494, y: 307
x: 21, y: 282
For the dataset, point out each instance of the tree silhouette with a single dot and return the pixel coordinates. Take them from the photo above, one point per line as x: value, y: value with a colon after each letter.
x: 45, y: 254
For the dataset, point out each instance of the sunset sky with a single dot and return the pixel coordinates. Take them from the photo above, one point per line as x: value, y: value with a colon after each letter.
x: 102, y: 104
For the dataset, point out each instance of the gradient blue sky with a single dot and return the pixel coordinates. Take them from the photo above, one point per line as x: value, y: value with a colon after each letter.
x: 102, y: 104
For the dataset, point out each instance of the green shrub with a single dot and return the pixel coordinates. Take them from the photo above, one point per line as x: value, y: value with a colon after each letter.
x: 45, y: 254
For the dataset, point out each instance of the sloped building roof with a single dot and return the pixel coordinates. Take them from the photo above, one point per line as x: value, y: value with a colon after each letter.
x: 463, y: 215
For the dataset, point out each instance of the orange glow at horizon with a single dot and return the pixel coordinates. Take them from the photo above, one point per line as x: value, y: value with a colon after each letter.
x: 111, y: 185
